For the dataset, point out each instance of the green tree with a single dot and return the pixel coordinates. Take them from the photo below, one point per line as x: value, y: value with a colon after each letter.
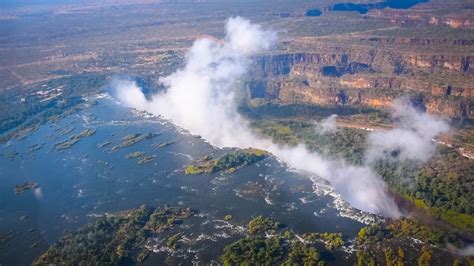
x: 425, y: 257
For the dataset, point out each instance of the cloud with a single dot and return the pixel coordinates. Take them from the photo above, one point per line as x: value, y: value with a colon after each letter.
x: 202, y: 97
x: 328, y: 125
x: 129, y: 94
x: 411, y: 139
x: 358, y: 185
x: 466, y: 251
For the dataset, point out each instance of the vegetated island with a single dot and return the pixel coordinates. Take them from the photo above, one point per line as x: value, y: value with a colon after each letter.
x: 12, y: 155
x: 33, y: 148
x: 229, y: 161
x: 25, y: 186
x: 165, y: 144
x: 392, y: 242
x: 104, y: 144
x: 271, y: 243
x: 143, y: 159
x: 74, y: 139
x: 65, y: 130
x: 135, y: 155
x: 116, y: 239
x: 133, y: 139
x: 122, y: 238
x: 147, y: 159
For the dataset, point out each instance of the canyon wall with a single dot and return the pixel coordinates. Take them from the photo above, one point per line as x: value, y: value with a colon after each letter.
x: 370, y: 75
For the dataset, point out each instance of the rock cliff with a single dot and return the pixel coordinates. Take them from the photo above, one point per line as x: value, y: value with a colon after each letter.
x: 370, y: 75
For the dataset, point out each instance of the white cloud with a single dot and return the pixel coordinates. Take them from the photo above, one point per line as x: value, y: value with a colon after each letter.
x: 466, y: 251
x: 129, y: 94
x: 412, y: 138
x: 328, y: 124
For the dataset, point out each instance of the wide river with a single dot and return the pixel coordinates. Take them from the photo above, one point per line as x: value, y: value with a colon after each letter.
x: 87, y: 180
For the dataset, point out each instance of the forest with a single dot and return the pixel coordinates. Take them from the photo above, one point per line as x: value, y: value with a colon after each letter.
x: 442, y: 185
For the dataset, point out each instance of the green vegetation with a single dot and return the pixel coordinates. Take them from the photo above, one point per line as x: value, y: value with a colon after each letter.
x: 400, y: 257
x: 441, y: 185
x: 279, y: 132
x: 228, y: 161
x: 133, y: 139
x: 346, y: 142
x: 330, y: 240
x: 371, y: 233
x: 23, y: 109
x: 147, y: 159
x: 408, y: 228
x: 171, y: 242
x: 112, y: 240
x: 425, y: 257
x: 255, y: 250
x: 279, y: 249
x: 365, y: 258
x: 65, y: 130
x: 135, y: 155
x: 194, y: 170
x: 74, y: 139
x: 231, y: 170
x: 262, y: 224
x: 258, y: 250
x: 141, y: 155
x: 302, y: 254
x: 392, y: 235
x: 33, y: 148
x: 385, y: 242
x: 143, y: 255
x: 403, y: 228
x: 305, y: 111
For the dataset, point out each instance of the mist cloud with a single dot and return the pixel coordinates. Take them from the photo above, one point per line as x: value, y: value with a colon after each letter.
x: 129, y: 94
x: 202, y: 97
x: 328, y: 125
x: 466, y: 251
x: 411, y: 139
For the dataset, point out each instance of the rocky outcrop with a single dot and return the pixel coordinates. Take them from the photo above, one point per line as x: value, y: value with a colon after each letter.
x: 420, y: 17
x: 368, y: 77
x: 363, y: 60
x: 416, y: 41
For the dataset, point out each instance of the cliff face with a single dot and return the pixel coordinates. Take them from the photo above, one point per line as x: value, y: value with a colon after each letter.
x: 368, y: 76
x: 424, y: 50
x: 421, y: 16
x: 357, y: 60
